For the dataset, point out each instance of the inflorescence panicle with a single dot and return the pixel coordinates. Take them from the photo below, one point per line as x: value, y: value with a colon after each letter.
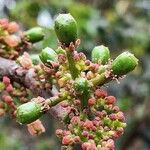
x: 92, y: 117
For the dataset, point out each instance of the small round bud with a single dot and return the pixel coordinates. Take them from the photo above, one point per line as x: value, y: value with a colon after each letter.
x: 47, y: 55
x: 35, y: 34
x: 66, y: 29
x: 67, y: 140
x: 8, y: 99
x: 110, y: 99
x: 35, y: 59
x: 12, y: 27
x: 59, y: 132
x: 88, y: 124
x: 81, y: 85
x: 91, y: 101
x: 9, y: 88
x: 124, y: 63
x: 100, y: 54
x: 100, y: 93
x: 28, y: 112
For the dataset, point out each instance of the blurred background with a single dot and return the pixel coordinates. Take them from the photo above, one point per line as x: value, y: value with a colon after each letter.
x: 118, y: 24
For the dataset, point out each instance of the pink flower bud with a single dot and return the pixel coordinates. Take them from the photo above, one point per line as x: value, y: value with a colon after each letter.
x: 112, y: 116
x: 91, y: 102
x: 12, y: 40
x: 94, y: 67
x: 26, y: 61
x: 66, y: 133
x: 88, y: 146
x: 94, y: 128
x: 88, y: 124
x: 12, y: 27
x: 110, y: 99
x: 6, y: 80
x: 116, y: 109
x: 87, y: 62
x: 4, y: 23
x: 110, y: 144
x: 120, y: 116
x: 67, y: 140
x: 7, y: 99
x: 100, y: 93
x: 77, y: 139
x: 75, y: 120
x: 9, y: 88
x: 85, y: 133
x: 120, y: 131
x: 36, y: 128
x: 96, y: 122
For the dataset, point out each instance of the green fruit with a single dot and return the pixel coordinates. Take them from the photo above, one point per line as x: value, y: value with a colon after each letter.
x: 100, y: 54
x: 124, y: 63
x: 66, y: 29
x: 35, y: 34
x: 35, y: 59
x: 47, y: 55
x: 81, y: 85
x: 28, y: 112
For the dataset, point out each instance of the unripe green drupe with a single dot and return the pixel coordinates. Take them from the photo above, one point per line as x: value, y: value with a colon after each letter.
x: 124, y: 63
x: 100, y: 54
x: 28, y: 112
x: 48, y: 54
x: 81, y: 85
x: 35, y: 34
x: 66, y: 29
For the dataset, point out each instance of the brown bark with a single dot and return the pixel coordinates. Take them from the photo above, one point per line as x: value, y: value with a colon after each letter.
x: 26, y: 77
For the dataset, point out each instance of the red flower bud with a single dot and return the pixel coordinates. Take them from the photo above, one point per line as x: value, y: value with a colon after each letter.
x: 88, y: 124
x: 8, y: 99
x: 91, y: 102
x: 100, y: 93
x: 110, y: 99
x: 4, y: 23
x: 9, y: 88
x: 67, y: 140
x: 85, y: 133
x: 75, y: 120
x: 6, y: 80
x: 88, y: 146
x: 12, y: 27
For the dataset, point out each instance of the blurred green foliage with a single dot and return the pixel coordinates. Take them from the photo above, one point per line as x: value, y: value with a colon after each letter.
x: 120, y: 25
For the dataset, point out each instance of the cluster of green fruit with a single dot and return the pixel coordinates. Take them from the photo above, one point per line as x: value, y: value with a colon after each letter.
x: 77, y: 79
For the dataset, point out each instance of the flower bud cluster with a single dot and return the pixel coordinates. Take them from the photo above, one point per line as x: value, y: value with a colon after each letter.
x: 12, y: 94
x: 92, y: 119
x: 13, y: 42
x: 8, y: 39
x: 97, y: 126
